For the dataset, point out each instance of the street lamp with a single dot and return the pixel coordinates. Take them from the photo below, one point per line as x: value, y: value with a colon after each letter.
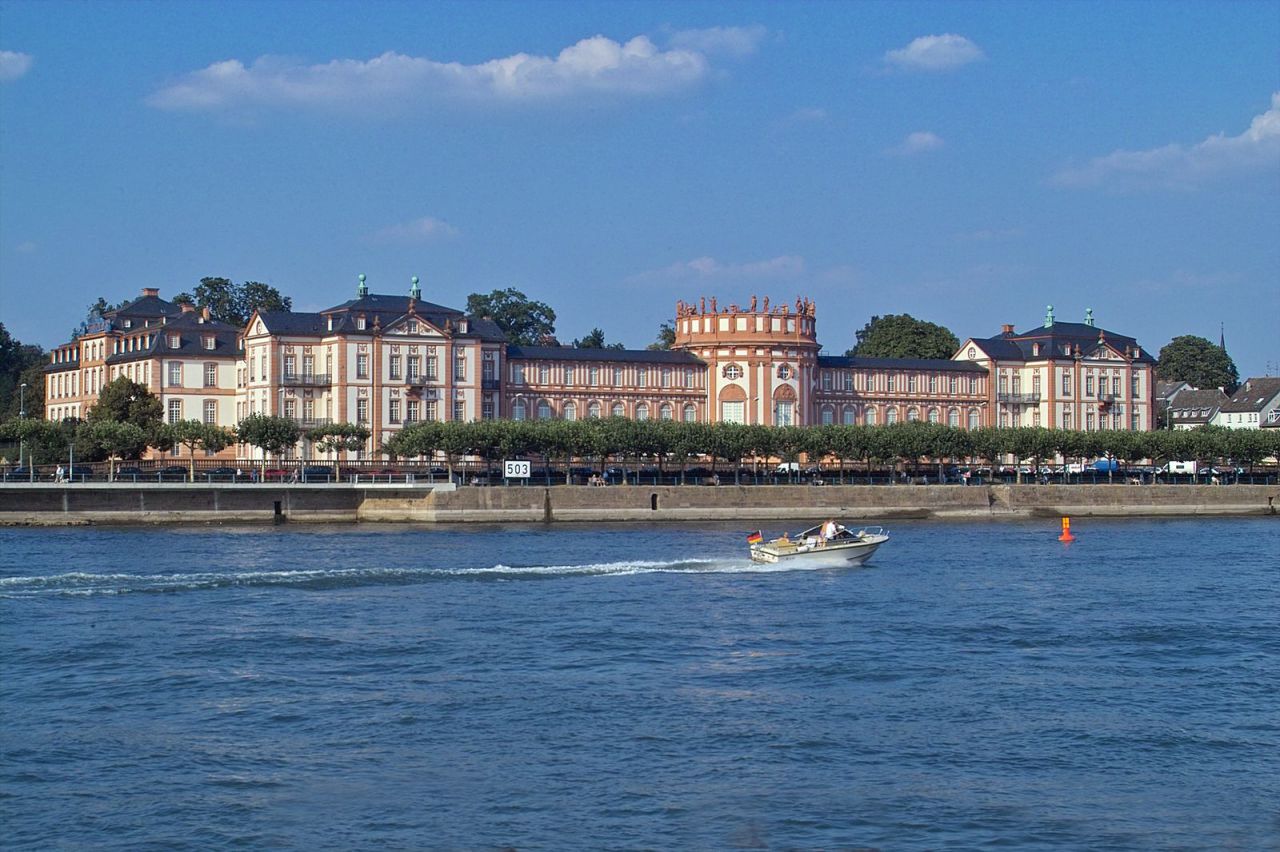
x: 22, y: 415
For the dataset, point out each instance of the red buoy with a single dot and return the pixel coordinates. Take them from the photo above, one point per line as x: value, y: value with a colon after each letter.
x: 1066, y: 531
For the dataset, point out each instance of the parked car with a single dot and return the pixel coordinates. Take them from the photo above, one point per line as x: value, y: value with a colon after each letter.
x: 131, y: 473
x: 22, y: 474
x: 77, y: 474
x: 172, y: 473
x: 317, y: 473
x: 220, y: 474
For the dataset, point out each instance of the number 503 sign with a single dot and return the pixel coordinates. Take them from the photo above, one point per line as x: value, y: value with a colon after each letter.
x: 516, y: 469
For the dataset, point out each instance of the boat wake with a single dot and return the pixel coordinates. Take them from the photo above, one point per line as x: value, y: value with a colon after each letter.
x: 82, y: 583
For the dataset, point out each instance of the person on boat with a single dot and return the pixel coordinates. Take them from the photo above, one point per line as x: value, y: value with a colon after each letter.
x: 829, y: 530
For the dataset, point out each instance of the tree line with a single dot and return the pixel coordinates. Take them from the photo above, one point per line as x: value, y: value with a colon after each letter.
x: 127, y: 421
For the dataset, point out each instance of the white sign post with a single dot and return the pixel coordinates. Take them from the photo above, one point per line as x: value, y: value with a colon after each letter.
x: 518, y: 469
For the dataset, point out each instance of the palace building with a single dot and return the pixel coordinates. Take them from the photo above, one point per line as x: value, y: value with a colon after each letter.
x: 386, y: 361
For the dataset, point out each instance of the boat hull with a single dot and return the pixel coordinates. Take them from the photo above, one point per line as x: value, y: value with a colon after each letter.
x: 832, y: 555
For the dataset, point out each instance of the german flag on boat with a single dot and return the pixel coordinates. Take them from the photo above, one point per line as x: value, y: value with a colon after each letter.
x: 755, y: 538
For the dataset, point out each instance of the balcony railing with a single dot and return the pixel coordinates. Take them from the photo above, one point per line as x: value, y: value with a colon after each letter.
x: 306, y: 380
x: 312, y: 422
x: 490, y: 384
x: 1108, y: 398
x: 1018, y: 398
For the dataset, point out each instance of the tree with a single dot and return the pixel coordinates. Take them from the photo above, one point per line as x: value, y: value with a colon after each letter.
x: 123, y: 400
x: 20, y: 362
x: 339, y: 436
x: 196, y: 435
x: 595, y: 340
x: 234, y: 303
x: 273, y: 435
x: 903, y: 336
x: 115, y: 440
x: 1199, y: 362
x: 666, y: 337
x: 525, y: 322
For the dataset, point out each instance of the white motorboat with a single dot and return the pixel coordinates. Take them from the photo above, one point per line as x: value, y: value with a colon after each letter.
x: 828, y: 545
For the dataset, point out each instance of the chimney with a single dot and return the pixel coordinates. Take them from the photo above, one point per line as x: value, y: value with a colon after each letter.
x: 1006, y: 329
x: 204, y: 314
x: 151, y: 291
x: 188, y: 308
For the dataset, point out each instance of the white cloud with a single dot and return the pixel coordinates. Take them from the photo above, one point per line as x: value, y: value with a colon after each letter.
x: 708, y: 268
x: 596, y: 65
x: 1181, y: 167
x: 935, y: 53
x: 13, y: 65
x: 727, y: 41
x: 422, y: 230
x: 917, y: 143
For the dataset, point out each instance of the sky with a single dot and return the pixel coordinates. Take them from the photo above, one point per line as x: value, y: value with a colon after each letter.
x: 967, y: 163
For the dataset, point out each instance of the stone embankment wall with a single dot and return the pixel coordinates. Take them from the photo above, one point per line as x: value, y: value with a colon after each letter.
x: 184, y: 503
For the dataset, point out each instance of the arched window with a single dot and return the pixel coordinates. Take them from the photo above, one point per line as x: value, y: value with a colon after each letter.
x: 828, y: 415
x: 953, y: 417
x: 570, y: 410
x: 593, y: 409
x: 933, y: 415
x: 544, y: 409
x: 518, y: 410
x: 871, y: 415
x: 731, y: 372
x: 850, y: 415
x: 642, y: 411
x: 973, y: 418
x: 618, y: 410
x: 913, y: 414
x: 691, y: 413
x: 891, y: 415
x: 785, y: 371
x: 664, y: 411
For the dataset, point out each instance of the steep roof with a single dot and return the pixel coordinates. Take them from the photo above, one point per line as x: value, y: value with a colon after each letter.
x: 1253, y: 395
x: 1198, y: 399
x: 289, y: 322
x: 1058, y: 337
x: 922, y: 364
x: 381, y: 311
x: 191, y: 332
x: 632, y: 356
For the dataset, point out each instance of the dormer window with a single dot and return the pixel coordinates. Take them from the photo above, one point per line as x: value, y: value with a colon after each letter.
x: 360, y: 323
x: 462, y: 326
x: 330, y: 322
x: 411, y: 327
x: 209, y: 341
x: 128, y: 323
x: 1035, y: 349
x: 175, y: 341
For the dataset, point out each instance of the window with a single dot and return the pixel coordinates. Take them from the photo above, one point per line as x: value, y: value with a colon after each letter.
x: 308, y: 365
x: 593, y: 375
x: 460, y: 367
x: 210, y: 411
x: 1035, y: 383
x: 209, y: 341
x: 828, y: 416
x: 934, y: 417
x: 618, y: 410
x: 973, y: 384
x: 784, y: 371
x: 871, y: 416
x: 433, y: 372
x: 175, y: 410
x: 393, y: 367
x: 211, y: 375
x: 570, y: 411
x: 544, y: 374
x: 1035, y: 417
x: 617, y: 377
x: 913, y: 414
x: 1066, y: 383
x: 690, y: 379
x: 933, y: 384
x: 732, y: 372
x: 486, y: 407
x: 518, y: 410
x: 360, y: 323
x: 666, y: 377
x: 911, y: 384
x: 290, y: 409
x: 690, y: 413
x: 891, y: 415
x: 362, y: 411
x: 826, y: 380
x: 1088, y: 384
x: 486, y: 369
x: 593, y: 409
x: 309, y: 410
x: 891, y: 382
x: 953, y: 418
x: 459, y: 410
x: 175, y: 374
x: 362, y: 366
x: 733, y: 412
x: 290, y: 366
x: 642, y: 377
x: 429, y: 411
x: 1115, y: 385
x: 544, y: 410
x: 393, y: 411
x: 784, y: 414
x: 415, y: 368
x: 952, y: 385
x: 1133, y: 387
x: 1088, y: 421
x: 642, y: 411
x: 665, y: 411
x: 175, y: 342
x: 517, y: 374
x: 1066, y: 419
x: 973, y: 418
x: 568, y: 374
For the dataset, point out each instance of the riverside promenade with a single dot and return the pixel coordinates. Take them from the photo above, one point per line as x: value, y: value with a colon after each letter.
x: 183, y: 503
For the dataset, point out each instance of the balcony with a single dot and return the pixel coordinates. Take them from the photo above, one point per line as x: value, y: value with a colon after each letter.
x: 311, y: 422
x: 1107, y: 398
x: 306, y: 380
x: 490, y: 384
x: 1018, y: 398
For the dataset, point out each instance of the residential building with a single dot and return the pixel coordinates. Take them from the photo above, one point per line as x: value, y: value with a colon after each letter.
x: 1188, y: 408
x: 1254, y: 405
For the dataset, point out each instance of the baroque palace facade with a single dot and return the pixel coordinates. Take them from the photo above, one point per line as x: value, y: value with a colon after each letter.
x: 387, y: 361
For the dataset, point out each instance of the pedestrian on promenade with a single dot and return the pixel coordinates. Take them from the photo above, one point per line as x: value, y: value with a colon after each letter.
x: 61, y: 475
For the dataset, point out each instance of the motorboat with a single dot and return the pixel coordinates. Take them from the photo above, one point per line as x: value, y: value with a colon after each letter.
x: 828, y: 545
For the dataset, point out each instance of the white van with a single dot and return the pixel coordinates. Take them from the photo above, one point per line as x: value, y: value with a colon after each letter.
x: 1187, y: 468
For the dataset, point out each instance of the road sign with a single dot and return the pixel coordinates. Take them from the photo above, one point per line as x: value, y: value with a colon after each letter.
x: 516, y: 469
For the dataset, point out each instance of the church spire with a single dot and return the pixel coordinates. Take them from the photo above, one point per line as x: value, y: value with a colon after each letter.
x: 1222, y: 336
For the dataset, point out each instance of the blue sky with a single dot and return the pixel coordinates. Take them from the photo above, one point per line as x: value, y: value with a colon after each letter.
x: 968, y: 163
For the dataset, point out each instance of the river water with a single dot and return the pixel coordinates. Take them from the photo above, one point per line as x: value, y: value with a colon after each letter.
x: 622, y: 687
